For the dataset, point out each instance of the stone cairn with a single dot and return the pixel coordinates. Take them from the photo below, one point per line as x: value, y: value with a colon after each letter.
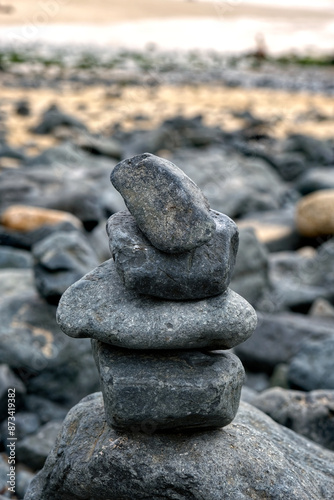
x: 160, y: 313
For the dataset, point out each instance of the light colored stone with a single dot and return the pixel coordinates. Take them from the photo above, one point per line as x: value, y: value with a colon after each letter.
x: 315, y: 214
x: 27, y: 218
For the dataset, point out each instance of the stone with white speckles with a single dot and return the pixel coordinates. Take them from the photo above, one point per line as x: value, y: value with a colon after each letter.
x: 99, y: 306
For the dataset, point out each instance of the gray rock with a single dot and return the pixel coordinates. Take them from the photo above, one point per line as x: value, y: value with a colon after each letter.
x: 233, y: 184
x: 168, y: 390
x: 168, y: 207
x: 45, y: 408
x: 13, y: 258
x: 9, y: 381
x: 254, y: 457
x: 99, y: 241
x: 278, y: 337
x: 314, y: 150
x: 24, y: 476
x: 276, y: 229
x: 50, y: 363
x: 309, y: 414
x: 14, y: 281
x: 199, y: 273
x: 247, y: 394
x: 53, y: 118
x: 34, y: 449
x: 250, y: 278
x: 121, y: 317
x: 59, y: 261
x: 27, y: 239
x: 316, y: 179
x: 25, y: 423
x: 297, y: 281
x: 4, y: 470
x: 64, y: 178
x: 312, y: 367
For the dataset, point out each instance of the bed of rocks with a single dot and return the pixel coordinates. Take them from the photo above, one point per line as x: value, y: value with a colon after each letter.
x: 280, y: 192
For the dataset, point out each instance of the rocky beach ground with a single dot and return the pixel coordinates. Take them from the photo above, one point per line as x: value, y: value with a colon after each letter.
x: 256, y: 134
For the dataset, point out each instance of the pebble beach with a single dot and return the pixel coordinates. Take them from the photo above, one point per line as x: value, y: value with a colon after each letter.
x: 240, y: 96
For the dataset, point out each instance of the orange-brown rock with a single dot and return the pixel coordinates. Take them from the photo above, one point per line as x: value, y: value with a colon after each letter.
x: 27, y: 218
x: 315, y: 214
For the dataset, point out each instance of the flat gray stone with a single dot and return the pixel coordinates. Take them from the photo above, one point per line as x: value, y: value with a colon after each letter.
x: 99, y: 306
x: 169, y: 389
x: 202, y: 272
x: 252, y: 458
x: 168, y: 207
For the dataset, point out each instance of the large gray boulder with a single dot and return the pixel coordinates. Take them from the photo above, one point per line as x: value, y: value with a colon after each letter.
x: 253, y: 457
x: 168, y: 207
x: 124, y: 318
x: 196, y: 274
x: 169, y: 389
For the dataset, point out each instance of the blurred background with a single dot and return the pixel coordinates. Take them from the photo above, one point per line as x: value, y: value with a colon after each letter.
x: 238, y: 94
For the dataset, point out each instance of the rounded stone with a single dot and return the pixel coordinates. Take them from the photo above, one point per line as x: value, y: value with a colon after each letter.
x: 99, y: 306
x: 314, y: 214
x: 169, y: 208
x: 169, y: 389
x: 199, y: 273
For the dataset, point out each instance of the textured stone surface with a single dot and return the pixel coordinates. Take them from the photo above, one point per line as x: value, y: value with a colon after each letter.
x: 168, y: 207
x: 312, y: 367
x: 122, y: 317
x: 253, y: 457
x: 278, y: 337
x: 168, y: 390
x: 314, y: 213
x: 25, y: 218
x: 59, y: 261
x: 199, y: 273
x: 307, y: 413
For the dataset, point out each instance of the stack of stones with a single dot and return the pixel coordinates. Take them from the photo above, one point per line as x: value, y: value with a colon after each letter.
x: 160, y: 313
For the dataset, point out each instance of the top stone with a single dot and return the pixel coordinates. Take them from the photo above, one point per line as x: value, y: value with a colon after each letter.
x: 168, y: 207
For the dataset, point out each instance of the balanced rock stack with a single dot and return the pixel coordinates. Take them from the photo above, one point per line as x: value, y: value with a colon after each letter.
x: 159, y: 308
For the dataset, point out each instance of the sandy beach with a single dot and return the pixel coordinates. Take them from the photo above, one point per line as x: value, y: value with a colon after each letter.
x: 229, y: 26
